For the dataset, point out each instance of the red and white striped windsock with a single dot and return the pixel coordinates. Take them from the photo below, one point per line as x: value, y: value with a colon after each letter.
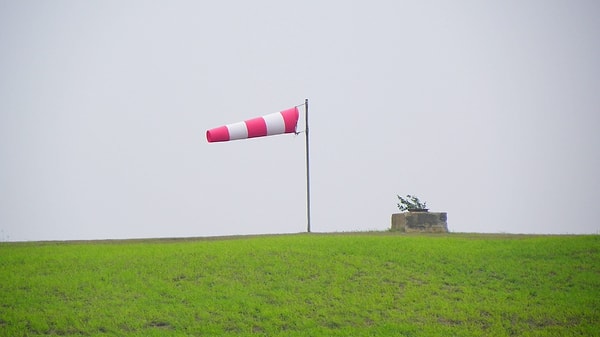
x: 272, y: 124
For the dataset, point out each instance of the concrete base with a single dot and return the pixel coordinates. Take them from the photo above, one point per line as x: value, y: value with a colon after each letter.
x: 427, y: 222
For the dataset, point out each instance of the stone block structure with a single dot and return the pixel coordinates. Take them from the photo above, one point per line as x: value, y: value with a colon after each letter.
x: 426, y: 222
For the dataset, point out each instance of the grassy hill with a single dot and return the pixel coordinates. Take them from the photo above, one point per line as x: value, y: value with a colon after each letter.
x: 371, y: 284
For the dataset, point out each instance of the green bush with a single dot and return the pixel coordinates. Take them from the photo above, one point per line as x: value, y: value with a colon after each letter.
x: 410, y: 203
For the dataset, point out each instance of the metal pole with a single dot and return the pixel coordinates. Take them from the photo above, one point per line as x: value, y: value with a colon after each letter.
x: 307, y: 167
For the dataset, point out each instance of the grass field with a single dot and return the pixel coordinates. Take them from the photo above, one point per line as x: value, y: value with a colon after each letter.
x: 369, y: 284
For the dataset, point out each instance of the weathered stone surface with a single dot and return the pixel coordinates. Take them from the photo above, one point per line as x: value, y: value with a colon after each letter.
x: 428, y: 222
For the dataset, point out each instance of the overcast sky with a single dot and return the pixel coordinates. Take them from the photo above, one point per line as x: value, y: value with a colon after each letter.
x: 487, y: 110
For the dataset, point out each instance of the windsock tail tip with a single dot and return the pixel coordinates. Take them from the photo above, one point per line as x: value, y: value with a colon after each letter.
x: 220, y: 134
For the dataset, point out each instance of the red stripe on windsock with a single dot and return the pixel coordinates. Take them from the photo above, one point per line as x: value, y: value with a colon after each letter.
x: 220, y: 134
x: 256, y: 127
x: 290, y: 117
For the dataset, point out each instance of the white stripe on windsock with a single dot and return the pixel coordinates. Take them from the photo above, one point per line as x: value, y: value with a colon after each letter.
x: 275, y: 123
x: 237, y: 130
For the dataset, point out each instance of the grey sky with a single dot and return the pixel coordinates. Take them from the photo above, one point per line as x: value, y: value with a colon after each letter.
x: 488, y: 110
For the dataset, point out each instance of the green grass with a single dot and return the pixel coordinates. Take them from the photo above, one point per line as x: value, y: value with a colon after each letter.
x: 375, y: 284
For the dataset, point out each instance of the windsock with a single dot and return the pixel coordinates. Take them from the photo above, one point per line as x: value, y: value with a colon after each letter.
x: 269, y: 125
